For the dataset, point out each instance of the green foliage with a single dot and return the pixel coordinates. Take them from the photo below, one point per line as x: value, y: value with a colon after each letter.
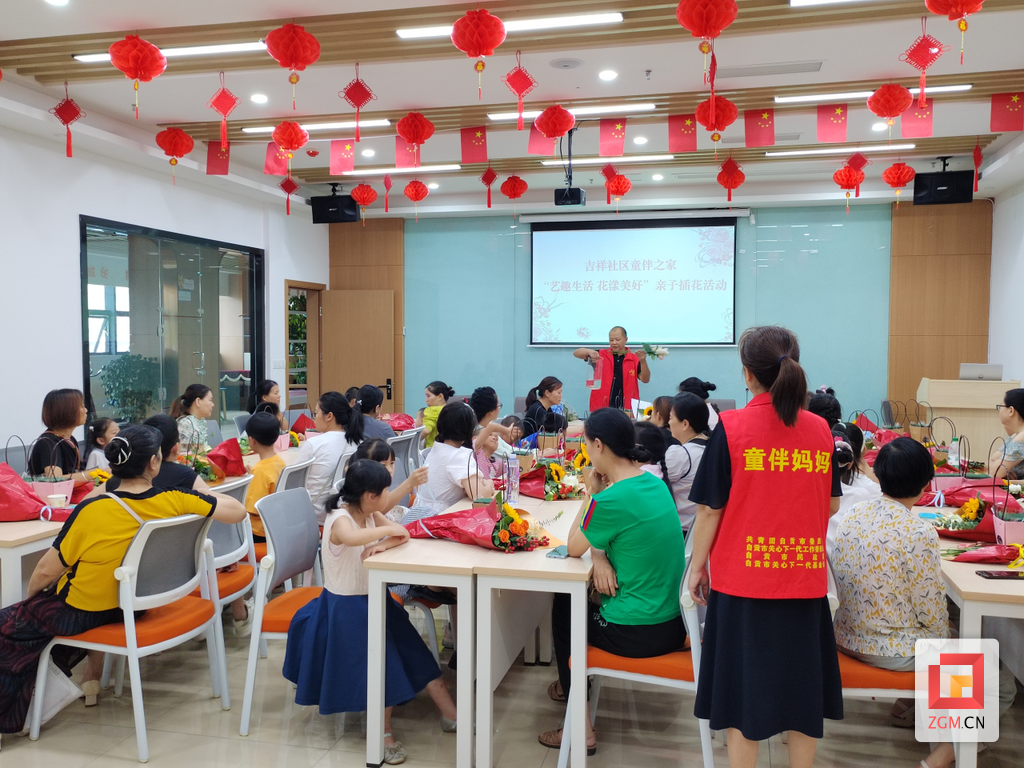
x: 130, y: 382
x: 297, y: 303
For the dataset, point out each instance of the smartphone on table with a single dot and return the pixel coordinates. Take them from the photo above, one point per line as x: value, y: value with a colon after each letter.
x: 1001, y: 574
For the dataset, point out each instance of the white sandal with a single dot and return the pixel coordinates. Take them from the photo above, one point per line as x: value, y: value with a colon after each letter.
x: 394, y: 755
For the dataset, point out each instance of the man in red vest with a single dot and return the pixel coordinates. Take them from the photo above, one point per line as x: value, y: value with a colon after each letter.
x: 620, y: 370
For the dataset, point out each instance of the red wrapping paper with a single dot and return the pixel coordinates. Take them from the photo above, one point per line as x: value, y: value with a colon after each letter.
x: 302, y: 424
x: 228, y: 457
x: 468, y: 526
x: 997, y: 553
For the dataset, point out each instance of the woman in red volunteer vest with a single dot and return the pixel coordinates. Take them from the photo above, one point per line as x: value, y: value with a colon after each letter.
x: 765, y: 490
x: 620, y: 370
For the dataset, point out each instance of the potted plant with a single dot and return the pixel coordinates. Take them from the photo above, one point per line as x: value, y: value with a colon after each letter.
x: 130, y: 382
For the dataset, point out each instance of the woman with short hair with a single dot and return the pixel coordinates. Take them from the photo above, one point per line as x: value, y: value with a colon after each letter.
x: 56, y: 452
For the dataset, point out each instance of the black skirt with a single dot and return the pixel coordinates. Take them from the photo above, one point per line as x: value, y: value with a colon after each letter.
x: 769, y: 666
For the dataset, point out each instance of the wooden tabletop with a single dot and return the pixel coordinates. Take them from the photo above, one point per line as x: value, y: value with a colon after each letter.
x: 251, y: 459
x: 16, y: 534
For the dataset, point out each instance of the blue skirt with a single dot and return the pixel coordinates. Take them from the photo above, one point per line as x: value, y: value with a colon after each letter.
x: 326, y: 654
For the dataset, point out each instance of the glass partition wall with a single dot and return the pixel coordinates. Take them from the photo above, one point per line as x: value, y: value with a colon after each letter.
x: 162, y: 311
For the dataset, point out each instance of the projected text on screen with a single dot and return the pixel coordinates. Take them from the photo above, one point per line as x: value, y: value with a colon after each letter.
x: 664, y: 284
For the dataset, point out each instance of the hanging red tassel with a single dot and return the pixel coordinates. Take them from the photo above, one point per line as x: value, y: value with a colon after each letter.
x: 520, y: 82
x: 68, y: 112
x: 977, y: 157
x: 387, y: 191
x: 358, y: 95
x: 711, y: 79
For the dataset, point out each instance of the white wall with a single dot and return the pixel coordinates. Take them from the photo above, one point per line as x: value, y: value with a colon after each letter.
x: 42, y: 195
x: 1004, y: 345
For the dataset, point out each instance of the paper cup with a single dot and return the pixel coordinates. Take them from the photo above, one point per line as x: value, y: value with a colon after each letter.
x: 58, y: 500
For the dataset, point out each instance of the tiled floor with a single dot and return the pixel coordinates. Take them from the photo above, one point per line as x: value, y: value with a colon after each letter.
x: 636, y: 726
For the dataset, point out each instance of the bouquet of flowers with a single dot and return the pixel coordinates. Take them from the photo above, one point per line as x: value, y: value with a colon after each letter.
x: 512, y: 533
x: 99, y: 476
x: 582, y: 458
x: 560, y: 484
x: 655, y: 352
x: 966, y: 518
x: 243, y: 445
x: 496, y: 526
x: 202, y: 466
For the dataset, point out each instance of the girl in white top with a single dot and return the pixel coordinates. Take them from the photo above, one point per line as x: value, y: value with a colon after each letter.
x: 857, y: 486
x: 326, y: 653
x: 99, y: 433
x: 341, y: 430
x: 379, y: 450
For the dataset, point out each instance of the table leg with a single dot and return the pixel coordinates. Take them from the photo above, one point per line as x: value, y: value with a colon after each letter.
x: 577, y: 714
x: 544, y: 649
x: 966, y: 754
x: 375, y: 656
x: 484, y: 686
x: 970, y: 620
x: 10, y: 578
x: 465, y: 633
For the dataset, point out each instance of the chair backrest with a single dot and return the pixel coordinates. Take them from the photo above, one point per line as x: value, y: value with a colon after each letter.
x: 520, y: 406
x: 235, y: 487
x: 213, y: 433
x: 293, y: 535
x: 231, y: 540
x: 167, y: 556
x: 405, y: 446
x: 723, y: 405
x: 416, y: 455
x: 294, y: 476
x: 240, y: 422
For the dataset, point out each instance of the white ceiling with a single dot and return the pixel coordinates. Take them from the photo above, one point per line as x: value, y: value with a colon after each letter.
x: 847, y: 52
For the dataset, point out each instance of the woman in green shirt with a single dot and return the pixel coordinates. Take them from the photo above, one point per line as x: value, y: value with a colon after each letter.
x: 631, y: 528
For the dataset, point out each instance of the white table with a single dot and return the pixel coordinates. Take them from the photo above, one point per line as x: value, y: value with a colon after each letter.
x: 16, y: 541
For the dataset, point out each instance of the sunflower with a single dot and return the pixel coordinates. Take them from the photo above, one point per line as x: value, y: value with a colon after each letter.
x: 557, y: 472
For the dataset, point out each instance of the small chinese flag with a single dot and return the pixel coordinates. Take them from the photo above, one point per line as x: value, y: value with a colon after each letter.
x: 916, y: 122
x: 1007, y: 112
x: 276, y: 163
x: 474, y: 145
x: 682, y: 133
x: 343, y: 156
x: 218, y: 158
x: 406, y: 155
x: 759, y: 127
x: 539, y: 144
x: 613, y: 137
x: 832, y: 122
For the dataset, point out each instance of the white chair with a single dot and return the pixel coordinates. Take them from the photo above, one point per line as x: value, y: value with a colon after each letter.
x: 214, y: 437
x: 293, y: 476
x: 163, y: 564
x: 293, y: 543
x: 406, y: 447
x: 240, y: 422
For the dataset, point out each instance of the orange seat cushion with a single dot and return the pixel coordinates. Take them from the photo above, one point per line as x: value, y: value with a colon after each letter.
x: 278, y: 613
x: 261, y: 550
x: 228, y: 583
x: 156, y: 624
x: 673, y: 666
x: 857, y: 674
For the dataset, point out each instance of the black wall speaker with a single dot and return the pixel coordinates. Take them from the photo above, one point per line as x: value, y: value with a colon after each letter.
x: 944, y: 188
x: 334, y: 209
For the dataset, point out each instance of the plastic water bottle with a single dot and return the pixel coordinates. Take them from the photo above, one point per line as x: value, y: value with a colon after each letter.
x: 954, y: 454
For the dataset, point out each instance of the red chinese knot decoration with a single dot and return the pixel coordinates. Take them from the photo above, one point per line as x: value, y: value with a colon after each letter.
x: 849, y: 179
x: 977, y: 157
x: 897, y: 176
x: 176, y: 144
x: 364, y: 195
x: 289, y: 187
x: 555, y: 121
x: 716, y: 114
x: 730, y: 177
x: 416, y: 190
x: 925, y: 51
x: 140, y: 61
x: 415, y: 129
x: 293, y: 48
x: 223, y: 103
x: 958, y: 11
x: 358, y: 95
x: 68, y: 112
x: 488, y: 178
x: 477, y: 34
x: 290, y: 137
x: 520, y: 82
x: 706, y: 19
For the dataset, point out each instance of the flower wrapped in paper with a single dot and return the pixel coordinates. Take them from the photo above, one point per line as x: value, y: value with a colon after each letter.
x: 655, y: 352
x: 496, y: 526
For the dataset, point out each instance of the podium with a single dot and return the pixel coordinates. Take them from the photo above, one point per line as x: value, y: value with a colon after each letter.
x: 971, y: 406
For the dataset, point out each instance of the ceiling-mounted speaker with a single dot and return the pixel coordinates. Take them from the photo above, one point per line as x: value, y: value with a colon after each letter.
x: 944, y: 188
x: 334, y: 209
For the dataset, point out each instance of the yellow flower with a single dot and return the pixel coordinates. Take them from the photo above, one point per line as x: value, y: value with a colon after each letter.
x: 557, y: 472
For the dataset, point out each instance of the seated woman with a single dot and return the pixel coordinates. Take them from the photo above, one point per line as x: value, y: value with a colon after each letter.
x: 97, y: 435
x: 631, y: 517
x: 661, y: 408
x: 703, y: 390
x: 688, y: 422
x: 56, y: 453
x: 368, y: 402
x: 1008, y: 463
x: 267, y: 397
x: 826, y: 405
x: 340, y: 430
x: 486, y: 406
x: 381, y: 452
x: 539, y: 416
x: 437, y: 394
x: 192, y: 410
x: 73, y: 588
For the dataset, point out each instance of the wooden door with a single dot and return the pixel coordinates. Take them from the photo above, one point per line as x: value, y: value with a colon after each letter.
x: 358, y: 341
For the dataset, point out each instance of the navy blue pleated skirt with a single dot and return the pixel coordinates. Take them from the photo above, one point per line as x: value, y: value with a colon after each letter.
x: 768, y: 666
x: 326, y: 654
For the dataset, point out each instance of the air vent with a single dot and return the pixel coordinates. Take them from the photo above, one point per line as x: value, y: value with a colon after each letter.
x: 572, y: 64
x: 790, y: 68
x: 778, y: 137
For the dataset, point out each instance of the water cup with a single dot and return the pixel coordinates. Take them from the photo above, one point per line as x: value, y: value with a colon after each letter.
x: 58, y: 500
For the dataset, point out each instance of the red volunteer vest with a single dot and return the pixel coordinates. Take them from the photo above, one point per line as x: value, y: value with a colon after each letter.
x: 771, y: 539
x: 630, y: 389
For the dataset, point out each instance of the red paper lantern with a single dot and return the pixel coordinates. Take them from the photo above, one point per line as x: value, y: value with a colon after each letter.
x: 731, y: 177
x: 897, y: 176
x: 520, y: 82
x: 140, y: 61
x: 223, y: 102
x: 977, y: 157
x: 293, y: 48
x: 364, y: 195
x: 889, y: 102
x: 554, y: 122
x: 958, y: 11
x: 706, y: 19
x: 358, y: 94
x: 477, y: 34
x: 617, y: 186
x: 416, y: 190
x: 849, y: 178
x: 514, y: 187
x: 488, y: 178
x: 716, y: 114
x: 176, y: 144
x: 290, y: 137
x: 415, y: 129
x: 68, y: 112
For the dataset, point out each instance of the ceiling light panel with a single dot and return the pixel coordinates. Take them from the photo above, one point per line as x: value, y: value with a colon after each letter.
x: 521, y: 25
x: 421, y: 169
x: 824, y: 98
x: 839, y: 150
x: 324, y: 126
x: 198, y: 50
x: 620, y: 109
x: 613, y: 160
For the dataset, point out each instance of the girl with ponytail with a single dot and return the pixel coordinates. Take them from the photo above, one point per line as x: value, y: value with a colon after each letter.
x: 766, y: 487
x: 540, y: 400
x: 437, y: 395
x: 630, y: 517
x: 340, y: 429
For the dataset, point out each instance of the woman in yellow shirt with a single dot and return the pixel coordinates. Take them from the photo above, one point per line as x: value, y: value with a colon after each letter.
x: 73, y: 588
x: 437, y: 394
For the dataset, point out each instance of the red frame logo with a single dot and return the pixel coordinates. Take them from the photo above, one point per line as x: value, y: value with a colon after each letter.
x: 975, y: 681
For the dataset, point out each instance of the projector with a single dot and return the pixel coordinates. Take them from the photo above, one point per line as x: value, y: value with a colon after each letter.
x: 570, y: 196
